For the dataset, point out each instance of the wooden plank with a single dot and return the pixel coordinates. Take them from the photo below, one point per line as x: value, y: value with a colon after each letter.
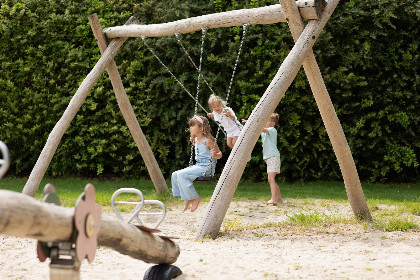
x: 64, y: 273
x: 264, y: 15
x: 26, y: 217
x: 235, y: 165
x: 332, y: 123
x: 309, y: 10
x: 61, y: 126
x: 128, y: 112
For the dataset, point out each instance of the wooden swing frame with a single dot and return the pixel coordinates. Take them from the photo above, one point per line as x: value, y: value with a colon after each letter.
x: 316, y: 12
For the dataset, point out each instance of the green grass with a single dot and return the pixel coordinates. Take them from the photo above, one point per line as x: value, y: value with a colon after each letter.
x: 393, y: 206
x: 308, y: 219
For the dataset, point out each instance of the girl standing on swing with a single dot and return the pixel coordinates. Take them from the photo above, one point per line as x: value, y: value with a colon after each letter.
x: 205, y: 150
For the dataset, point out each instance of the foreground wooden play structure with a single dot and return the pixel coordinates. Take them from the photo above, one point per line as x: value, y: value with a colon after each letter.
x: 67, y: 236
x: 315, y: 12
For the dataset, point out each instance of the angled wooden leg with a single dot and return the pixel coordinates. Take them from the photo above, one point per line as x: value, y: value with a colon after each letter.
x: 61, y: 126
x: 329, y: 117
x: 237, y: 160
x: 128, y: 112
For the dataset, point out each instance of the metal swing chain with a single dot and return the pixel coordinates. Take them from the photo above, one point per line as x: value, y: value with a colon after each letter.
x: 169, y: 71
x: 244, y: 29
x: 203, y: 36
x: 204, y: 32
x: 178, y: 37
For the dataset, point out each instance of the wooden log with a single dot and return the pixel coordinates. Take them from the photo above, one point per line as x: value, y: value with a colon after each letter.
x: 235, y: 165
x: 64, y: 273
x: 329, y: 117
x: 128, y: 112
x: 61, y: 126
x: 26, y: 217
x: 264, y: 15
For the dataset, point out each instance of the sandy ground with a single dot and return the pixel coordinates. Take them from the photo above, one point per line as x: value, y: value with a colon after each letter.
x: 342, y: 251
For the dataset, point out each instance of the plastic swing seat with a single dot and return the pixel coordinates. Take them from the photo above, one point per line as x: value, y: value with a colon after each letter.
x: 206, y: 179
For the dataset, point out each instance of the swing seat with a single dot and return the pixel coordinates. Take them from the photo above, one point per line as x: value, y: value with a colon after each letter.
x: 205, y: 179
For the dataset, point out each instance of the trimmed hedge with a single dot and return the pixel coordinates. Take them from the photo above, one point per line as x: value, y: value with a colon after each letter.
x: 368, y: 54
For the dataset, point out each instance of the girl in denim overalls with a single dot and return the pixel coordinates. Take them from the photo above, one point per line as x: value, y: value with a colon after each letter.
x: 182, y: 180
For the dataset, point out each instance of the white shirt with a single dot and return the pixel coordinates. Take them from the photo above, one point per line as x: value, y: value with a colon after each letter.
x: 228, y: 124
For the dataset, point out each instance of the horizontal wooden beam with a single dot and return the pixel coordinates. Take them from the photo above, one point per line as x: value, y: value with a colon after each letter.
x: 309, y: 10
x: 26, y: 217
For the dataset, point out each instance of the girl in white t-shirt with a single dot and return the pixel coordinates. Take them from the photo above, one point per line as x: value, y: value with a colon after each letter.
x: 226, y: 117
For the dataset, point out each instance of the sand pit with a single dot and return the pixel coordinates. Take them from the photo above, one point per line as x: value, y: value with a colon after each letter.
x: 257, y: 251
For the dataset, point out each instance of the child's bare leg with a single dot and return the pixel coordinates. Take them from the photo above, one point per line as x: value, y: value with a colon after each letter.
x: 195, y: 202
x: 275, y: 189
x: 186, y: 204
x: 234, y: 138
x: 231, y: 141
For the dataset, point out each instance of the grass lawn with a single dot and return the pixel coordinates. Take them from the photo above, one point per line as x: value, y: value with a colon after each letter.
x: 393, y: 206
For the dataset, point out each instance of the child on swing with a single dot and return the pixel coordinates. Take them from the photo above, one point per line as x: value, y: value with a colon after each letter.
x: 226, y: 117
x: 182, y: 180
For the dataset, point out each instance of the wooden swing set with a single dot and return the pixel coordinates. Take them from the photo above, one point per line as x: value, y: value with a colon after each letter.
x: 315, y: 12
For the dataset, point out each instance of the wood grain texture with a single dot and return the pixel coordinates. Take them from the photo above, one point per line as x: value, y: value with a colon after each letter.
x: 26, y: 217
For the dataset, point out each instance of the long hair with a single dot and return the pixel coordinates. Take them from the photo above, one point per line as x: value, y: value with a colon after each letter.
x: 205, y: 125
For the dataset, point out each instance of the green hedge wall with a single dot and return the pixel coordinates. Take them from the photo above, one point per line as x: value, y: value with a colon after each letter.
x: 368, y: 54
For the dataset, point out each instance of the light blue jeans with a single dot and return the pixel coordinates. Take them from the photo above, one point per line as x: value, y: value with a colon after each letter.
x: 182, y: 181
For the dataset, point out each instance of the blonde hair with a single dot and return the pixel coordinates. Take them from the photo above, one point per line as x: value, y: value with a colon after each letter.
x: 215, y: 98
x: 274, y: 118
x: 205, y: 125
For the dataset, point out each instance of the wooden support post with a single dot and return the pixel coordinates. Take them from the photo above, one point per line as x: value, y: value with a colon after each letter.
x: 329, y: 117
x: 310, y: 9
x: 128, y: 112
x: 61, y: 126
x: 236, y: 162
x: 64, y: 273
x: 26, y: 217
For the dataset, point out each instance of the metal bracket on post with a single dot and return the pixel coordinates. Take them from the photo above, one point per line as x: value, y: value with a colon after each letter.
x: 67, y: 255
x: 4, y: 160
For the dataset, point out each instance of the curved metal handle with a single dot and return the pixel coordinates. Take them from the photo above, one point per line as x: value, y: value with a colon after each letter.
x: 139, y: 206
x: 162, y: 214
x: 5, y: 162
x: 136, y: 210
